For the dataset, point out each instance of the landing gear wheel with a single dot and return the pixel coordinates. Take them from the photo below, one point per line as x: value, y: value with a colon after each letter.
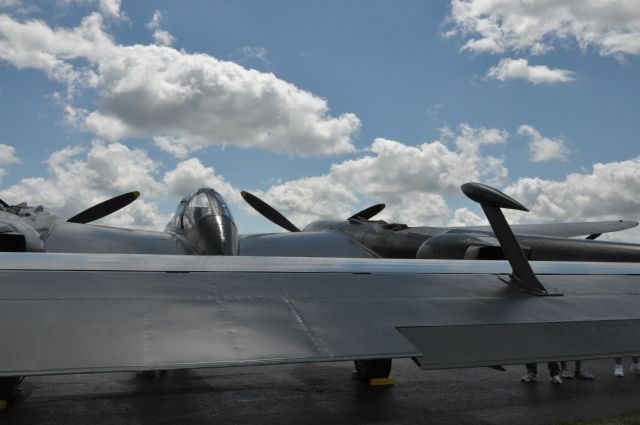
x: 10, y: 387
x: 373, y: 369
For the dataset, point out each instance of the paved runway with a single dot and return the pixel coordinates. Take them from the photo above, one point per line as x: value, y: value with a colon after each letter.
x: 321, y: 394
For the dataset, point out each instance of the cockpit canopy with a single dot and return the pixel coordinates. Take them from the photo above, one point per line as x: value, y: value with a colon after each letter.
x: 199, y: 204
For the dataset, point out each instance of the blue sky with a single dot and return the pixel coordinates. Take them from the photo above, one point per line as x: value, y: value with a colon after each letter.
x: 338, y: 105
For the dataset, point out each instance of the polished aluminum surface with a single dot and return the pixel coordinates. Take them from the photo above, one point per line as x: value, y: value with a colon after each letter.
x: 68, y: 313
x: 303, y: 244
x: 87, y: 238
x: 170, y: 263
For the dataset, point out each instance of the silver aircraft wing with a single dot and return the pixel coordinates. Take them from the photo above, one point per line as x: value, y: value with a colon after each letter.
x: 303, y: 244
x: 71, y: 313
x: 566, y: 229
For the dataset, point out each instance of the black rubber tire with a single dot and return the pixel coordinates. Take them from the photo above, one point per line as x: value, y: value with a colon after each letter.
x: 10, y: 387
x: 372, y: 369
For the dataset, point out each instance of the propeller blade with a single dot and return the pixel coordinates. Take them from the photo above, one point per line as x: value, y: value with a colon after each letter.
x: 105, y: 208
x: 368, y: 212
x: 268, y: 212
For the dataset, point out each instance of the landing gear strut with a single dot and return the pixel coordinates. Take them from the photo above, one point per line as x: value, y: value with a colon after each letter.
x: 373, y: 369
x: 9, y: 389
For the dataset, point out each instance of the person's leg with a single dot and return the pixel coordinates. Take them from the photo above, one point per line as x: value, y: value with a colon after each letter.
x: 581, y: 374
x: 635, y: 366
x: 554, y: 372
x: 618, y: 371
x: 532, y: 373
x: 564, y: 371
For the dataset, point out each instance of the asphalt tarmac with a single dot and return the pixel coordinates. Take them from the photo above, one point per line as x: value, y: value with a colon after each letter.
x: 321, y: 393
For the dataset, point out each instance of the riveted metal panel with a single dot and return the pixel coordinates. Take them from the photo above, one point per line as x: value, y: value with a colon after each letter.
x: 69, y: 318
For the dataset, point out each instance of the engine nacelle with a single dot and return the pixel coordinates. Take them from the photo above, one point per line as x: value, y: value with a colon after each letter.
x: 461, y: 246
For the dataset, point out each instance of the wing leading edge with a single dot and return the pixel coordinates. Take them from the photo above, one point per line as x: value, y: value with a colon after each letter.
x: 90, y: 313
x: 567, y: 230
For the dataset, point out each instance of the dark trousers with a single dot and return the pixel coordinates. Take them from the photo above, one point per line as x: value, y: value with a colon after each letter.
x: 554, y: 368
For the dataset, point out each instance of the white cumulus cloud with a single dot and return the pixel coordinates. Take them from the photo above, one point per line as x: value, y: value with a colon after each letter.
x: 248, y: 53
x: 9, y: 4
x: 176, y: 146
x: 163, y: 37
x: 7, y: 156
x: 160, y: 36
x: 610, y: 27
x: 310, y: 198
x: 192, y: 174
x: 254, y: 52
x: 158, y: 91
x: 544, y: 148
x: 156, y: 20
x: 111, y: 8
x: 80, y: 177
x: 439, y: 166
x: 611, y: 191
x: 411, y: 180
x: 512, y: 69
x: 464, y: 217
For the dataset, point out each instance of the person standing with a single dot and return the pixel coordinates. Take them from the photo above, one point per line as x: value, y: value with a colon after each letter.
x: 579, y: 373
x: 634, y: 369
x: 532, y: 373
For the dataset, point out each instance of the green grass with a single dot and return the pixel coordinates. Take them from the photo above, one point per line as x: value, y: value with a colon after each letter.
x: 627, y: 419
